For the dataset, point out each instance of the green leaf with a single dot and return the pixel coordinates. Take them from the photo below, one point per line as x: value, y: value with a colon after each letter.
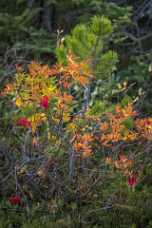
x: 128, y: 123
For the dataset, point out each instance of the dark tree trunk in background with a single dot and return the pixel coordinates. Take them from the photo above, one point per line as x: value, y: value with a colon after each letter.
x: 30, y: 3
x: 47, y: 15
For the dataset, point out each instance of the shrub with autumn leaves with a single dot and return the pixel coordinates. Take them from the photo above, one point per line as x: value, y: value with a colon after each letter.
x: 44, y: 104
x: 65, y: 157
x: 44, y: 117
x: 52, y: 134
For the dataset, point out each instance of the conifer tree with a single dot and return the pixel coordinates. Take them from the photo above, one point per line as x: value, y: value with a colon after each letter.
x: 90, y: 42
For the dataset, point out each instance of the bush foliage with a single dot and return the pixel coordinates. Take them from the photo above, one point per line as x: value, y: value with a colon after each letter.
x: 76, y: 130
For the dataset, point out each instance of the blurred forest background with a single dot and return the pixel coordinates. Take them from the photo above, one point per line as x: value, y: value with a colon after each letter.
x: 112, y: 185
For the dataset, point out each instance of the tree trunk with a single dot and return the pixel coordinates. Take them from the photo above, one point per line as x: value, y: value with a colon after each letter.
x: 30, y: 3
x: 48, y: 15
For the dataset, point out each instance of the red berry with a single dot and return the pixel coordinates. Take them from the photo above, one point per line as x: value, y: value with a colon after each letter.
x: 44, y: 102
x: 132, y: 181
x: 15, y: 200
x: 24, y: 122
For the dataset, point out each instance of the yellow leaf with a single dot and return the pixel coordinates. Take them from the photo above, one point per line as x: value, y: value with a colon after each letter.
x: 36, y: 120
x: 19, y: 102
x: 71, y: 127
